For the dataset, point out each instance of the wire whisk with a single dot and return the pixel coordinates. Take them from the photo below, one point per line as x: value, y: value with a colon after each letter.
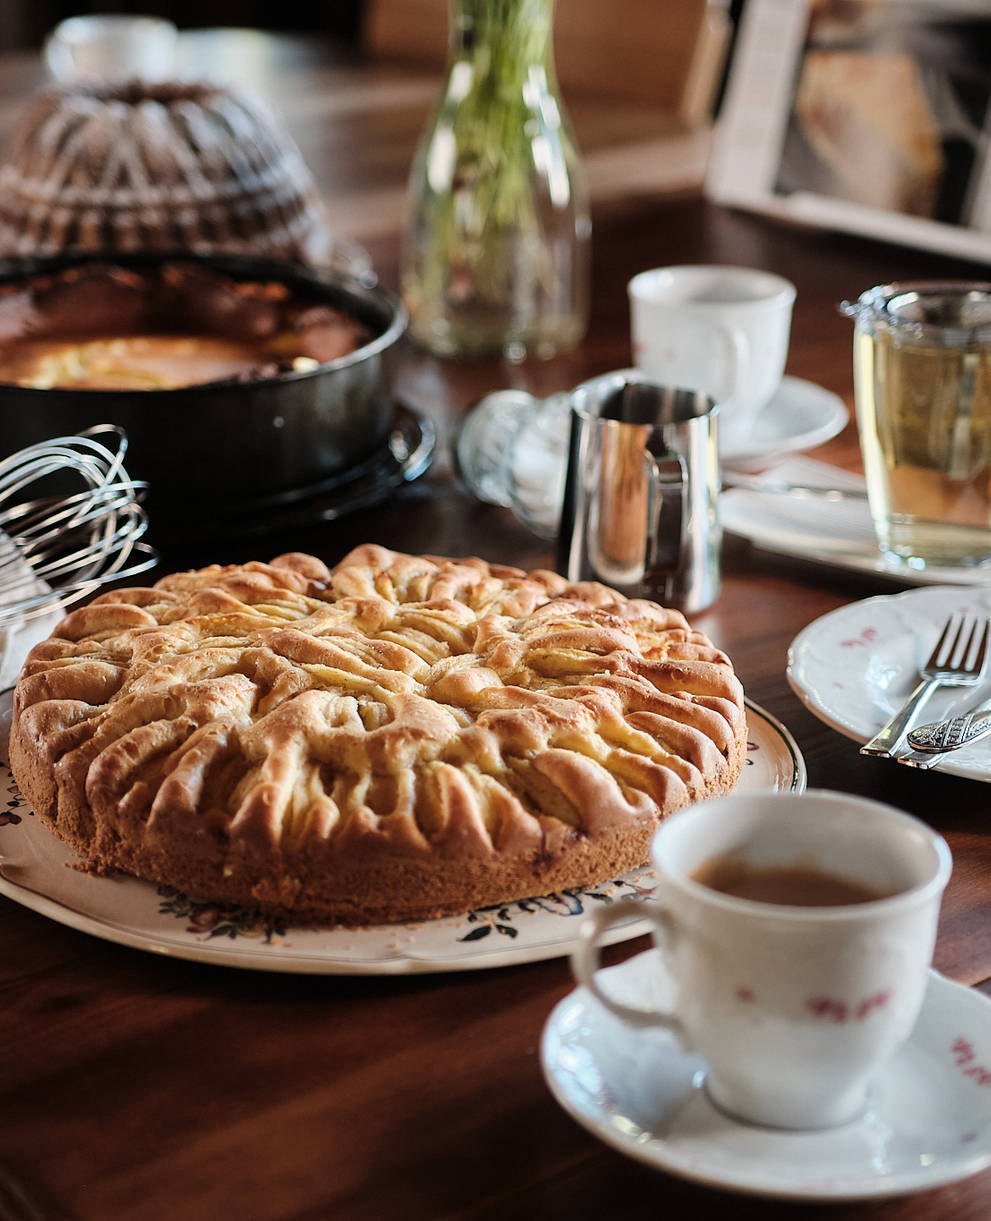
x: 59, y: 545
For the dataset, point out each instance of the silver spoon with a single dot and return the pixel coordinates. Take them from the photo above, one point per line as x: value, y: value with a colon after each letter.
x: 760, y: 483
x: 938, y: 738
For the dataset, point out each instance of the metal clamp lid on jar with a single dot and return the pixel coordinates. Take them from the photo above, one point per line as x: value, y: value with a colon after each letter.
x: 950, y: 313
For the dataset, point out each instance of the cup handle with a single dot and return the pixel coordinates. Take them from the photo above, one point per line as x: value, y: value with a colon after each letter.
x: 739, y: 346
x: 585, y: 959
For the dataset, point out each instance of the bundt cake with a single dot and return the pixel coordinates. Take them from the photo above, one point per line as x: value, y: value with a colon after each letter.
x: 145, y: 166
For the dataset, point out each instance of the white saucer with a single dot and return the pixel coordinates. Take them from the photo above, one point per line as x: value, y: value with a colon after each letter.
x: 928, y: 1121
x: 34, y: 871
x: 836, y: 533
x: 856, y: 666
x: 799, y: 416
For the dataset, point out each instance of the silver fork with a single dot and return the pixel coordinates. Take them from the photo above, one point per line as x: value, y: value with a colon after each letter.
x: 953, y: 663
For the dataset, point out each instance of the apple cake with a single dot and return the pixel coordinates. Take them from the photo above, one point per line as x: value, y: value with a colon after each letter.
x: 397, y: 738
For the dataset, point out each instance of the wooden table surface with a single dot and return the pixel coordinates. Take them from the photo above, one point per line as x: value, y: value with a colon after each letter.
x: 136, y: 1086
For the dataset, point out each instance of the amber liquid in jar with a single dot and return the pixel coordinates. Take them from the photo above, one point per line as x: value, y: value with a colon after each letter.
x: 924, y: 414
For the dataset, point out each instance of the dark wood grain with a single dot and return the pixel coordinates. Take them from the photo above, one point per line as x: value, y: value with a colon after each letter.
x: 134, y: 1086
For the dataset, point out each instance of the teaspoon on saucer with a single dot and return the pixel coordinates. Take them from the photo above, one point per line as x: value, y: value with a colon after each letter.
x: 759, y: 483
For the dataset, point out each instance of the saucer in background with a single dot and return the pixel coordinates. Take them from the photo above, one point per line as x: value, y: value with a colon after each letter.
x: 800, y: 416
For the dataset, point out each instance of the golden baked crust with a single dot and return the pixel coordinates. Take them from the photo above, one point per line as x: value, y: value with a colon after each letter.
x: 401, y: 737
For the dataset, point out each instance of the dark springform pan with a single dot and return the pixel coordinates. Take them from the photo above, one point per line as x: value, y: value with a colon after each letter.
x: 228, y: 444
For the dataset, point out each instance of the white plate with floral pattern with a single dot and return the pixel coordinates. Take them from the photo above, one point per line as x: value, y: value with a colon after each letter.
x: 856, y: 666
x: 927, y: 1123
x: 35, y: 871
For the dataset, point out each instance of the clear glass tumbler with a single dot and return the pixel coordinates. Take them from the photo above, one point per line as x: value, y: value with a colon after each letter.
x: 922, y: 377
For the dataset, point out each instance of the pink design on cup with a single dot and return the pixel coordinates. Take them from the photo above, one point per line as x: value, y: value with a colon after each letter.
x: 745, y: 994
x: 839, y: 1011
x: 826, y: 1007
x: 877, y: 1001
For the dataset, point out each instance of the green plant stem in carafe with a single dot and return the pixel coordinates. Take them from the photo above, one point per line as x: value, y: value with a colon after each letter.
x: 495, y: 247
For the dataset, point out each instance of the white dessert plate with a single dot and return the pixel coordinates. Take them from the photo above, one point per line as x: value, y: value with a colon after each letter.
x: 36, y: 871
x: 836, y: 533
x: 928, y: 1120
x: 856, y: 666
x: 800, y: 416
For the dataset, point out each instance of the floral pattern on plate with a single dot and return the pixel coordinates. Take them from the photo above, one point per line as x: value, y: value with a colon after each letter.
x: 856, y: 666
x: 35, y: 871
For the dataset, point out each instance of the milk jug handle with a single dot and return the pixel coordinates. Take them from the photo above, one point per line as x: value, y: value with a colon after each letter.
x: 667, y: 499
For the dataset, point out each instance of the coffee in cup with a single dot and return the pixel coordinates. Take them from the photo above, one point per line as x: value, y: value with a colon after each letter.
x: 791, y: 885
x: 793, y: 1004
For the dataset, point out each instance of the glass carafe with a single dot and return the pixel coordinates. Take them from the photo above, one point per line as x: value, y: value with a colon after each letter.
x: 495, y: 246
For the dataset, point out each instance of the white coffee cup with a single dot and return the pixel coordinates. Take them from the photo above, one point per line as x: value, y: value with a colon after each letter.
x: 723, y: 330
x: 111, y: 47
x: 793, y: 1008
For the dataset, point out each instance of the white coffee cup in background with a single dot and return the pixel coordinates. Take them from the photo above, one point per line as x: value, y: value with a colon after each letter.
x: 723, y: 330
x: 794, y: 1007
x: 111, y: 47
